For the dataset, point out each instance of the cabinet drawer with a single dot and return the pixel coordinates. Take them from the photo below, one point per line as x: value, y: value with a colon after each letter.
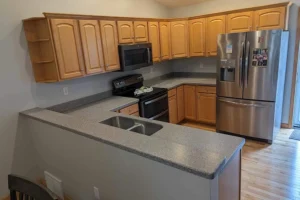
x: 206, y: 89
x: 130, y: 109
x: 137, y: 114
x: 172, y: 92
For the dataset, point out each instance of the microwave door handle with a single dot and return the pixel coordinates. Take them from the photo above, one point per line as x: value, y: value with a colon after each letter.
x: 241, y: 65
x: 148, y: 51
x: 247, y: 64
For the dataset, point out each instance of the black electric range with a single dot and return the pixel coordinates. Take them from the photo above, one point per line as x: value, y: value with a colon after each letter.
x: 152, y: 105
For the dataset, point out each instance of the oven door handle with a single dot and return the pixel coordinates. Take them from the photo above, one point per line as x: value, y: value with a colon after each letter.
x: 159, y: 115
x: 157, y: 99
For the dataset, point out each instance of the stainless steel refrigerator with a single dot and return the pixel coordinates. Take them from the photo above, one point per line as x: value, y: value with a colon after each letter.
x: 250, y: 83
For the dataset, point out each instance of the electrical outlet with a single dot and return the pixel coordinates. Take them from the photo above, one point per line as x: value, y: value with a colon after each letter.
x: 54, y: 184
x: 96, y: 193
x: 66, y: 91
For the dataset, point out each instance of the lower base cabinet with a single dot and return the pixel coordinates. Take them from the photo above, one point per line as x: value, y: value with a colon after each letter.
x: 173, y: 114
x: 206, y: 108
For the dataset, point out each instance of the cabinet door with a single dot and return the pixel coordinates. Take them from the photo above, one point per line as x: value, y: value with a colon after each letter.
x: 173, y: 110
x: 154, y: 39
x: 68, y: 48
x: 273, y: 18
x: 180, y: 103
x: 125, y: 29
x: 206, y: 108
x: 197, y: 37
x: 215, y: 26
x: 140, y: 31
x: 240, y: 22
x: 110, y: 45
x: 179, y: 39
x: 92, y: 46
x: 164, y: 28
x: 190, y: 102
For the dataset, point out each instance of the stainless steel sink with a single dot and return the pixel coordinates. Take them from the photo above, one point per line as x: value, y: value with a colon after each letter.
x: 137, y: 126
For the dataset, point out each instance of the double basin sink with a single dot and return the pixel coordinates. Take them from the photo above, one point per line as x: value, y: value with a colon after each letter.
x: 137, y: 126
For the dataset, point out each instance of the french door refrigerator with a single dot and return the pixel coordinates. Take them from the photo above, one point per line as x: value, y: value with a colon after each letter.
x: 250, y: 83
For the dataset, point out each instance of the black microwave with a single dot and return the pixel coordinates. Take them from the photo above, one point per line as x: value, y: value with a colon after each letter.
x: 135, y: 56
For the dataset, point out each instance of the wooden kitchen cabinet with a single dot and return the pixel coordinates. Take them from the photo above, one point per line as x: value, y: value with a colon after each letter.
x: 206, y: 108
x: 240, y: 22
x: 165, y: 46
x: 140, y: 31
x: 110, y: 44
x: 268, y: 19
x: 126, y: 33
x: 179, y: 39
x: 197, y: 37
x: 190, y: 102
x: 173, y: 115
x: 92, y: 46
x: 153, y: 28
x: 180, y: 104
x: 130, y: 110
x: 67, y: 44
x: 215, y: 25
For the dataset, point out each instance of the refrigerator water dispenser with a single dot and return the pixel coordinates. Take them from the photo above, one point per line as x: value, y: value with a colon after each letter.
x: 227, y: 70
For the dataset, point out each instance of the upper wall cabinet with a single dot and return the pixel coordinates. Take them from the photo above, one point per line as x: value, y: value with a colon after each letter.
x: 92, y: 46
x: 179, y: 39
x: 153, y: 28
x: 240, y: 22
x: 140, y: 31
x: 110, y: 45
x: 165, y: 46
x: 126, y: 34
x: 68, y: 48
x: 215, y: 26
x: 197, y: 37
x: 273, y: 18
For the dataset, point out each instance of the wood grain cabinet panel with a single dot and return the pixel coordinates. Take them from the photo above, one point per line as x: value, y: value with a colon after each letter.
x: 110, y: 45
x: 180, y: 104
x: 153, y: 28
x: 197, y: 37
x: 140, y: 31
x: 67, y: 44
x: 206, y: 108
x: 190, y: 102
x: 173, y: 110
x: 125, y: 30
x: 179, y: 39
x: 165, y: 46
x: 273, y: 18
x: 215, y: 25
x: 240, y: 22
x: 92, y: 46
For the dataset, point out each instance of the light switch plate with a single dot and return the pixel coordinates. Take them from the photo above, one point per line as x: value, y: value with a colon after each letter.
x: 54, y: 184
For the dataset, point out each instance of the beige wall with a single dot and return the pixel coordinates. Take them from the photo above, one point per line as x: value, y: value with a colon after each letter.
x: 214, y: 6
x: 18, y: 89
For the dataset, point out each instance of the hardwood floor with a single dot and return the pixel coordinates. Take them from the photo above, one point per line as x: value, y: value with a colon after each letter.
x: 271, y: 172
x: 198, y: 125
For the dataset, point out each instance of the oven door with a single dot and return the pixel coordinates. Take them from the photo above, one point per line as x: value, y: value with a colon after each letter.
x: 135, y: 56
x: 155, y: 108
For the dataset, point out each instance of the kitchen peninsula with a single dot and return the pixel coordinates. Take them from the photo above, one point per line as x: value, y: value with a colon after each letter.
x: 176, y: 162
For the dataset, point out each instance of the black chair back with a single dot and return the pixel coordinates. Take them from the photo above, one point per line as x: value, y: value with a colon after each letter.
x: 27, y: 190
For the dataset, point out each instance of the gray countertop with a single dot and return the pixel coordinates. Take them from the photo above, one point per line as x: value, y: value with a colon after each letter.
x: 200, y: 152
x: 175, y: 82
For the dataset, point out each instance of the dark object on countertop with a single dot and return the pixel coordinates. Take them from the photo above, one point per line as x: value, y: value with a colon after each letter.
x: 295, y: 135
x: 27, y: 189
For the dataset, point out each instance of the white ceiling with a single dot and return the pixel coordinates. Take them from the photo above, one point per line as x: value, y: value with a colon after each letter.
x: 177, y: 3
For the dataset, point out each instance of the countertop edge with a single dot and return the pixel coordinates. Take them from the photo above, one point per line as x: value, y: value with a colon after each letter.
x: 131, y: 150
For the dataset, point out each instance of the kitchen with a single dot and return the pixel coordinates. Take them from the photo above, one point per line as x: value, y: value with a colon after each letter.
x: 180, y: 87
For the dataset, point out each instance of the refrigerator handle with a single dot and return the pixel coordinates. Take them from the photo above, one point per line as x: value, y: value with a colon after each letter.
x: 241, y: 65
x: 247, y: 64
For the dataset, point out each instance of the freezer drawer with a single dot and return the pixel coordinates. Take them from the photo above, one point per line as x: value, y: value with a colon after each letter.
x: 248, y: 118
